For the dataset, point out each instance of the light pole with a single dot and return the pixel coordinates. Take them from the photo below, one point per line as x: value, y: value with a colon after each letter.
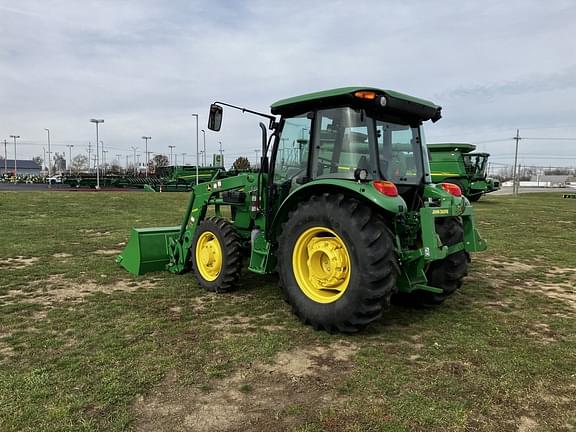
x: 134, y: 150
x: 49, y: 152
x: 197, y: 152
x: 5, y: 158
x: 171, y: 157
x: 15, y: 136
x: 70, y: 157
x: 204, y: 134
x: 97, y: 122
x: 118, y: 156
x: 183, y: 162
x: 202, y: 156
x: 146, y: 152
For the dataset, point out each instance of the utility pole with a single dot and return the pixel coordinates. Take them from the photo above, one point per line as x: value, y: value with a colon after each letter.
x: 197, y: 152
x: 15, y: 136
x: 5, y: 158
x: 70, y: 157
x: 204, y: 134
x: 171, y: 158
x: 49, y: 152
x: 221, y: 153
x: 89, y: 151
x: 97, y: 122
x: 104, y: 160
x: 126, y: 166
x: 134, y: 150
x: 146, y: 152
x: 257, y: 154
x: 516, y: 183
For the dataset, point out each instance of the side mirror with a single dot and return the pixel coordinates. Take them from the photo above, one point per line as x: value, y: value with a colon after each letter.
x: 215, y: 117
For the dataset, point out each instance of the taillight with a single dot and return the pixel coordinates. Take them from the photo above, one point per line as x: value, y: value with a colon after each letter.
x: 452, y: 189
x: 385, y: 187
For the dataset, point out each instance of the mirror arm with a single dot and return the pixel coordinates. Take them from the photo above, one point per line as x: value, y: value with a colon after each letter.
x: 268, y: 116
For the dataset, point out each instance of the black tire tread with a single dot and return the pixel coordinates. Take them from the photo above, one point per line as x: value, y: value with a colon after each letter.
x: 380, y: 267
x: 232, y: 262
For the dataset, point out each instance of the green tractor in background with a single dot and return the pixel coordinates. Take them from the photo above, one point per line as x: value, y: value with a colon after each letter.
x: 455, y: 163
x: 343, y: 208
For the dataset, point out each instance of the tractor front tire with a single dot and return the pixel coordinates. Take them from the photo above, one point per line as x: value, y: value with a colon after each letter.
x: 215, y: 255
x: 337, y: 263
x: 447, y: 274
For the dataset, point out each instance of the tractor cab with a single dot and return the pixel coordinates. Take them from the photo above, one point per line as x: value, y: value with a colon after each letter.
x: 476, y: 165
x: 352, y: 134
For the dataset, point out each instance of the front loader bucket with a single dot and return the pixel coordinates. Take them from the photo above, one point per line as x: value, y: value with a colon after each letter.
x: 147, y: 249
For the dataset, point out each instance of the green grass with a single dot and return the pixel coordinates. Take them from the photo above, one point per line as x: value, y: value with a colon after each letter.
x: 498, y: 355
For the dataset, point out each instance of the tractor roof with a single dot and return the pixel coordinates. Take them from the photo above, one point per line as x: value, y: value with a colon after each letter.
x: 461, y: 147
x: 396, y: 103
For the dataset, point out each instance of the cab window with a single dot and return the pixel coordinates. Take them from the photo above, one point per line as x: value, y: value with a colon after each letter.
x: 292, y: 156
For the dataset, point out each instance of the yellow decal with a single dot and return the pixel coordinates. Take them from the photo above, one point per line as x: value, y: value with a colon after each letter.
x: 445, y: 174
x: 440, y: 212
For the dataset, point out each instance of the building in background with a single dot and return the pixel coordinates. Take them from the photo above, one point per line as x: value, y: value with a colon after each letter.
x: 23, y: 167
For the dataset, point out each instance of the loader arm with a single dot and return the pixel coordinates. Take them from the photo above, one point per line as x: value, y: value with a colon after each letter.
x: 168, y: 248
x: 201, y: 197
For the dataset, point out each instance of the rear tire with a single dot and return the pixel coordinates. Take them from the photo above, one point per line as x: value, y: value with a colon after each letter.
x: 215, y: 255
x: 447, y: 274
x: 476, y: 197
x: 337, y: 263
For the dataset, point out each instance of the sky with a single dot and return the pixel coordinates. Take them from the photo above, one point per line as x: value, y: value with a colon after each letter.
x: 145, y: 66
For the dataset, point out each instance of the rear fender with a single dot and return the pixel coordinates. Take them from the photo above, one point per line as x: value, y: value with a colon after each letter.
x: 362, y: 191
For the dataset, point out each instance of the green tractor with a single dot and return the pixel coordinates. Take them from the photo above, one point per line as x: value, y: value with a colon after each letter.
x: 457, y: 164
x: 342, y: 207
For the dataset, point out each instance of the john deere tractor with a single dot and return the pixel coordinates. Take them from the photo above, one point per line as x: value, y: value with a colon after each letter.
x: 342, y: 207
x: 457, y: 163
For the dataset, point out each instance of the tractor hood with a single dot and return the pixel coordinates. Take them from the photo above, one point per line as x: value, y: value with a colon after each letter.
x: 379, y: 100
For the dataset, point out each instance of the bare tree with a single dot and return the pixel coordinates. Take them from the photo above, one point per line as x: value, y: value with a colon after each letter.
x: 79, y: 163
x: 241, y: 164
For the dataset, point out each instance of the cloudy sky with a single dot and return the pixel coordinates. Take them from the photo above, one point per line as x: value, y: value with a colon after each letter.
x: 146, y: 65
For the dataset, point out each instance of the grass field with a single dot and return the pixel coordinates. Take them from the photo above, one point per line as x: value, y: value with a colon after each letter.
x: 86, y: 346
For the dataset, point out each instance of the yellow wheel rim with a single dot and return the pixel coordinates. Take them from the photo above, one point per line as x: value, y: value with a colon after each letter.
x: 208, y: 256
x: 321, y: 264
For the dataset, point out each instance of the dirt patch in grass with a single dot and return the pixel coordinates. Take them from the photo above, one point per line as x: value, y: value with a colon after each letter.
x: 107, y: 252
x: 62, y: 255
x: 230, y: 326
x: 250, y: 399
x: 95, y: 233
x: 565, y: 291
x: 543, y: 333
x: 5, y: 349
x: 527, y: 424
x: 56, y: 289
x: 562, y: 291
x: 18, y: 262
x: 512, y: 266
